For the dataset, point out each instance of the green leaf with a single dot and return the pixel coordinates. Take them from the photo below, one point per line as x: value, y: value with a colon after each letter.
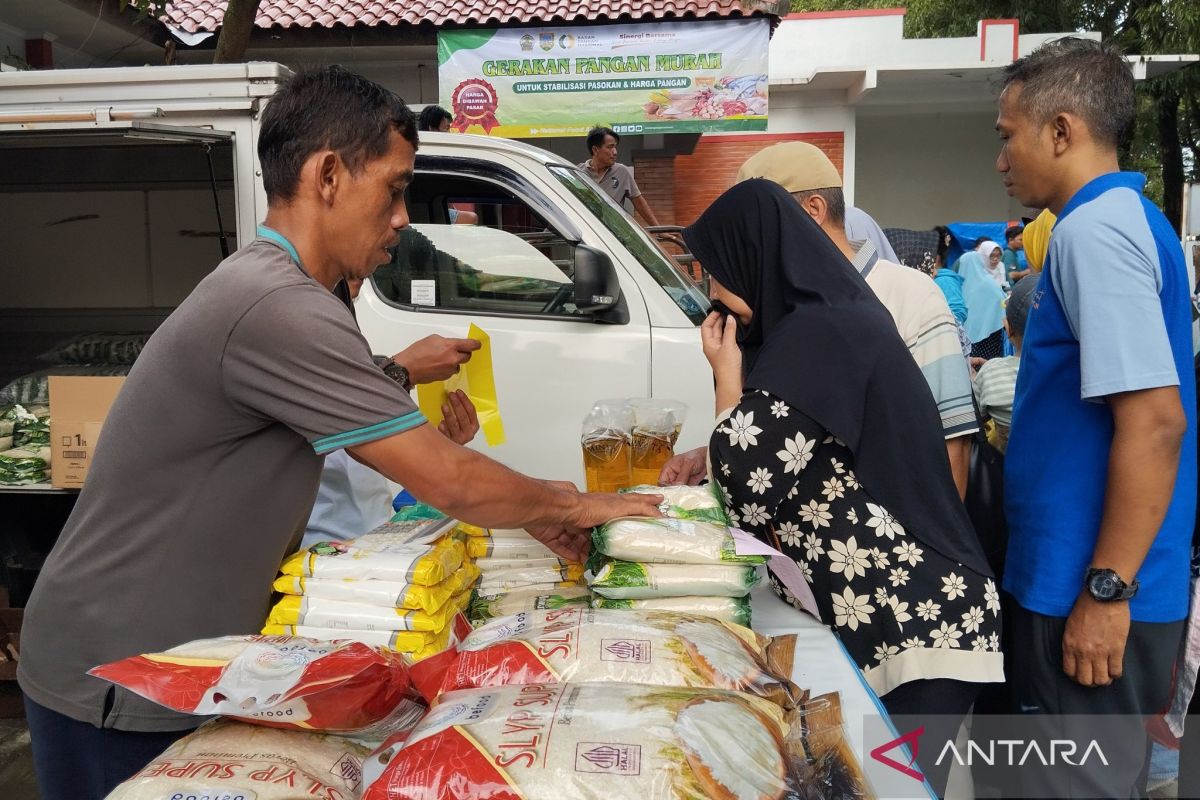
x: 450, y: 42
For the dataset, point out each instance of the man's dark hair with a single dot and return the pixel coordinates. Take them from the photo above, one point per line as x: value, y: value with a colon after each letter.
x: 1012, y: 233
x: 1089, y: 79
x: 595, y: 137
x: 835, y: 202
x: 432, y: 117
x: 327, y: 108
x: 979, y: 241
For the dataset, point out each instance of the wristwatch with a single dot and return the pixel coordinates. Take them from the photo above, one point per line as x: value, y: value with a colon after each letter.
x: 398, y: 373
x: 1106, y: 586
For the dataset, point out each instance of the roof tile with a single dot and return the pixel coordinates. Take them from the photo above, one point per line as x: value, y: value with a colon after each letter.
x: 206, y: 15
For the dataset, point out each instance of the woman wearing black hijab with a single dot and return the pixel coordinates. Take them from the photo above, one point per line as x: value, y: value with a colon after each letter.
x: 828, y: 446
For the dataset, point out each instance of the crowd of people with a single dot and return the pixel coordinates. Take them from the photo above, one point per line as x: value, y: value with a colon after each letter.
x: 1079, y: 334
x: 857, y: 374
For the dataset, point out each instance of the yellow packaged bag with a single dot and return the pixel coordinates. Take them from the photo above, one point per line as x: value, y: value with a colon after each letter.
x: 382, y: 593
x: 321, y: 613
x: 424, y: 565
x: 403, y: 641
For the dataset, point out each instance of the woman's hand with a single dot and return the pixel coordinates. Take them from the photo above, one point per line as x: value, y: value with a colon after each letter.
x: 459, y: 423
x: 686, y: 468
x: 718, y: 336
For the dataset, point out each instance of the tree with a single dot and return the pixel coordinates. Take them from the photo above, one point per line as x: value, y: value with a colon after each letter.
x: 1163, y: 143
x: 236, y: 26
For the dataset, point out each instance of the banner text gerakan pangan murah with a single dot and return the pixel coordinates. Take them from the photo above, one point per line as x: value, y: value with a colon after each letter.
x: 659, y: 77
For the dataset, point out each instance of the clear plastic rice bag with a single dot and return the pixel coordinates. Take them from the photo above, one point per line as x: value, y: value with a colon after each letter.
x: 734, y: 610
x: 490, y: 606
x: 699, y: 503
x: 669, y: 541
x: 628, y: 580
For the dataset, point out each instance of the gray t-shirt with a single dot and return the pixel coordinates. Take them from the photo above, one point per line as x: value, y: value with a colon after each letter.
x: 617, y: 182
x: 203, y: 480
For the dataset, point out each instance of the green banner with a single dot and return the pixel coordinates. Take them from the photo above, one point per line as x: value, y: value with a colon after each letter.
x: 658, y: 77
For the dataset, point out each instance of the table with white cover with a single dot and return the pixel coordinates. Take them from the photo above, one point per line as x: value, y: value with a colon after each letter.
x: 823, y: 665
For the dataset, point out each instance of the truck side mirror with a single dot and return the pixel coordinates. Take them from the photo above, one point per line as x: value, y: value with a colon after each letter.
x: 597, y: 287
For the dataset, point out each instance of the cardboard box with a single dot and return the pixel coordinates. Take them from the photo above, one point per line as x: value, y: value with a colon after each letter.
x: 78, y: 406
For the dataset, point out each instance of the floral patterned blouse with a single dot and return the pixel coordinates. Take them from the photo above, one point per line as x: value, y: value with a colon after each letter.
x: 903, y: 611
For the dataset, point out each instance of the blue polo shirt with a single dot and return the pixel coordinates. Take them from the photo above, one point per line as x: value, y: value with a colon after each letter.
x: 1111, y: 314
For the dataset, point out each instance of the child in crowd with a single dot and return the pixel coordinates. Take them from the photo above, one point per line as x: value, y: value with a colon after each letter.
x: 996, y: 381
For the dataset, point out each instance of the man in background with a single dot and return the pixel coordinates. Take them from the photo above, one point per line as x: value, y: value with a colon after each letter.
x: 1011, y: 256
x: 613, y: 177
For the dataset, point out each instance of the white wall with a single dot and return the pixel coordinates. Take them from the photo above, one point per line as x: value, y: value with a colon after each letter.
x: 917, y: 171
x: 108, y: 249
x: 793, y: 111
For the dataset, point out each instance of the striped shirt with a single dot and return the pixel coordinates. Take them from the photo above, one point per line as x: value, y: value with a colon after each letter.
x: 927, y: 327
x: 995, y: 385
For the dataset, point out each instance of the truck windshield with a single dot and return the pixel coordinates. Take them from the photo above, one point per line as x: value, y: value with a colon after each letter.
x: 674, y: 281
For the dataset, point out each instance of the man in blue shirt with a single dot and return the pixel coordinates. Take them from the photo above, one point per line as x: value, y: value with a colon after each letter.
x: 1101, y: 467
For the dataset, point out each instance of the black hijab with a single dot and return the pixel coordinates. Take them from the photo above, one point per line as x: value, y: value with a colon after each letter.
x: 822, y: 341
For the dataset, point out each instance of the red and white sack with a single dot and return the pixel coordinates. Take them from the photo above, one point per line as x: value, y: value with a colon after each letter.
x: 282, y: 681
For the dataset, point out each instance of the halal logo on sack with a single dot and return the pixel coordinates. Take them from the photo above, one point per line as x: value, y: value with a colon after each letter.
x: 636, y: 651
x: 474, y: 102
x: 618, y: 759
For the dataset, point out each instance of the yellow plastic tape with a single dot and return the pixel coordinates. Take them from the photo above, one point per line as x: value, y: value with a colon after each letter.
x: 477, y: 380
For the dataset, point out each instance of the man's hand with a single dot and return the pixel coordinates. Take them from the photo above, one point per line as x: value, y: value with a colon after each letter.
x: 459, y: 422
x: 1093, y: 645
x: 573, y: 540
x: 435, y: 358
x: 685, y: 469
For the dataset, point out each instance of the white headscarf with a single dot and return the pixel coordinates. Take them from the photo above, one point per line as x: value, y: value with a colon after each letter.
x: 997, y: 272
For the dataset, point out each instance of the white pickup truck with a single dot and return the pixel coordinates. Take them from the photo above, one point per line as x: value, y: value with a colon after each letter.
x: 117, y: 187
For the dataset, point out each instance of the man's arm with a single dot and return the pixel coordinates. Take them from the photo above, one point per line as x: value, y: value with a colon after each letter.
x: 958, y: 450
x: 643, y: 208
x: 1148, y: 430
x: 475, y: 489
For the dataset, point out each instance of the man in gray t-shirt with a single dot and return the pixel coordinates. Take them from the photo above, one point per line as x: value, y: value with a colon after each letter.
x: 613, y: 177
x: 212, y: 452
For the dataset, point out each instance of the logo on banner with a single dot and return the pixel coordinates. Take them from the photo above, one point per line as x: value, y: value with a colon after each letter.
x: 912, y: 739
x: 527, y: 44
x: 546, y: 40
x: 566, y: 41
x: 474, y: 102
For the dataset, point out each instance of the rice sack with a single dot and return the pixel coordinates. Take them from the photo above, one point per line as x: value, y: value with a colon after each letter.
x: 588, y: 645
